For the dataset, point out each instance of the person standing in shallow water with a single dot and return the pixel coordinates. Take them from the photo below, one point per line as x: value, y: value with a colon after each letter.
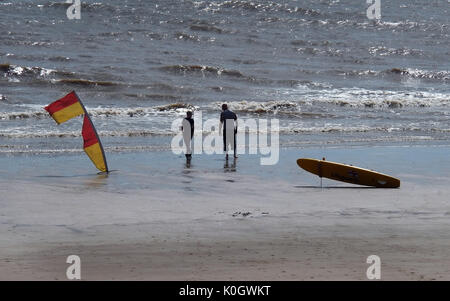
x: 228, y: 120
x: 188, y: 132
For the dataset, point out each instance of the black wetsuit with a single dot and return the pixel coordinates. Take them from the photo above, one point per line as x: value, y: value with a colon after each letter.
x: 224, y: 116
x: 191, y: 121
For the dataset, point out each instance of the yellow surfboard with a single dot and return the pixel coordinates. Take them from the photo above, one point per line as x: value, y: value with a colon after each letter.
x: 348, y: 173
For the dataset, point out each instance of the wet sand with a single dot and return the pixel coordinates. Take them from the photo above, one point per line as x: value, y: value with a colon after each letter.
x: 284, y: 256
x: 229, y: 225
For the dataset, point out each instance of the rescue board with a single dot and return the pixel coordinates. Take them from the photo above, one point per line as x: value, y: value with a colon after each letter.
x: 348, y: 173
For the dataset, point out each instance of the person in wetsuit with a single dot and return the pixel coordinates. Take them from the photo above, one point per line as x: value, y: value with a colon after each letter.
x: 228, y: 120
x: 188, y: 124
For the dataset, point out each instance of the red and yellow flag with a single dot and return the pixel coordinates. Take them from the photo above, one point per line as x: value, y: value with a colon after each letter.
x: 65, y: 108
x: 69, y: 107
x: 92, y: 145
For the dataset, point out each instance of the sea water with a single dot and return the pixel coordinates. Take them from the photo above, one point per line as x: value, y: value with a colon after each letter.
x: 326, y: 71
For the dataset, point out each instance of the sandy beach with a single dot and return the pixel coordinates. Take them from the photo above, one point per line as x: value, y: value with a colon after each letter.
x: 210, y: 222
x: 365, y: 83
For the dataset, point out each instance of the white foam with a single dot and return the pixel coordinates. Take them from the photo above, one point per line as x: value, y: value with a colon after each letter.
x: 360, y: 97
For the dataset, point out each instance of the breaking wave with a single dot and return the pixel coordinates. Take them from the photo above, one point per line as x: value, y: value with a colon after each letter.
x: 403, y: 26
x: 420, y: 74
x: 385, y: 51
x: 285, y: 108
x: 343, y: 97
x: 14, y: 70
x: 17, y: 73
x: 174, y: 108
x: 254, y: 6
x: 407, y: 72
x: 299, y: 104
x: 204, y: 70
x: 330, y: 129
x: 69, y: 134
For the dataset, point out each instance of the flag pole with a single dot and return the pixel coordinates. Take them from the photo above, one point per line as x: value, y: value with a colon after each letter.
x: 95, y: 130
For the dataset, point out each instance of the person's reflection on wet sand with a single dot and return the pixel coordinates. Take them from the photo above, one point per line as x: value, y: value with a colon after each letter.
x: 230, y: 168
x: 188, y: 161
x: 187, y: 167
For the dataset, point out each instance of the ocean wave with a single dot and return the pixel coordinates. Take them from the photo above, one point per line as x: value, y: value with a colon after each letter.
x: 288, y: 109
x: 302, y: 83
x: 254, y: 6
x: 403, y: 26
x: 107, y: 148
x: 420, y: 74
x: 360, y: 129
x: 21, y: 42
x: 187, y: 37
x: 385, y: 51
x: 335, y: 129
x: 310, y: 43
x: 381, y: 99
x: 173, y: 108
x: 247, y: 61
x: 204, y: 70
x: 15, y: 70
x: 192, y: 38
x: 331, y: 52
x: 40, y: 134
x: 16, y: 73
x: 401, y: 132
x: 24, y: 71
x: 255, y: 107
x: 165, y: 97
x: 22, y: 115
x: 354, y: 72
x: 206, y: 28
x: 59, y: 59
x: 406, y: 72
x: 298, y: 103
x: 39, y: 151
x: 85, y: 82
x: 70, y: 134
x: 360, y: 97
